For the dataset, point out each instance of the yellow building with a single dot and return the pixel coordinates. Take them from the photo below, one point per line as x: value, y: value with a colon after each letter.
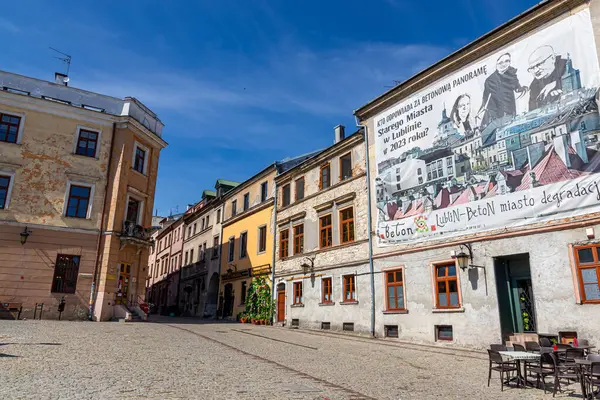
x: 247, y: 239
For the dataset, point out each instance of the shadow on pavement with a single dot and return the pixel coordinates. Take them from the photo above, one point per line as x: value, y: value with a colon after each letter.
x: 2, y: 355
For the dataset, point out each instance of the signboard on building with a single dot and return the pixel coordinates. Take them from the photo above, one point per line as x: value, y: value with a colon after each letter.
x: 509, y: 140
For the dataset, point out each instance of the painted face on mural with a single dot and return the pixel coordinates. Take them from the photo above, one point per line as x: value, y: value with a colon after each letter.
x: 464, y: 107
x: 542, y: 62
x: 503, y: 63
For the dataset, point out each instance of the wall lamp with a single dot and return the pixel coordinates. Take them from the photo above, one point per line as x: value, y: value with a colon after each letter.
x: 24, y: 235
x: 306, y: 267
x: 465, y: 261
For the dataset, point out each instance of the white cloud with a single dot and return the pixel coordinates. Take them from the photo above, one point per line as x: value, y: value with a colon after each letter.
x: 9, y: 26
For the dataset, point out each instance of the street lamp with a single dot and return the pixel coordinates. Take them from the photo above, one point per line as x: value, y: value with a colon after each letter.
x: 463, y: 259
x: 24, y: 235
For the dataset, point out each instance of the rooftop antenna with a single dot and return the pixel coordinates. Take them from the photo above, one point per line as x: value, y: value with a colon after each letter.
x: 66, y: 59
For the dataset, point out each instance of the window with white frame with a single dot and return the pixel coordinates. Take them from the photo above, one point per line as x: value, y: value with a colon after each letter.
x: 140, y: 158
x: 134, y: 210
x: 87, y: 142
x: 78, y: 202
x: 6, y: 182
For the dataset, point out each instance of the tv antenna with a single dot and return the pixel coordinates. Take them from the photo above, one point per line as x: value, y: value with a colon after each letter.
x: 66, y: 59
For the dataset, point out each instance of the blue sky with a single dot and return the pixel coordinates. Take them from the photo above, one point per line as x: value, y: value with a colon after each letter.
x: 240, y: 84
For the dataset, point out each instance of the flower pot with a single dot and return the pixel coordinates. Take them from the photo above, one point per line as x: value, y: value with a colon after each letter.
x: 243, y: 320
x: 254, y: 321
x: 263, y: 322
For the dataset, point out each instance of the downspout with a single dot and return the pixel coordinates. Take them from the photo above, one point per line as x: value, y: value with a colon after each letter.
x: 371, y: 268
x: 274, y: 243
x: 94, y: 287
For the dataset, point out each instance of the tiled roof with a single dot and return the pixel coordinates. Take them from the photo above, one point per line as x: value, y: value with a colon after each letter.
x: 442, y: 200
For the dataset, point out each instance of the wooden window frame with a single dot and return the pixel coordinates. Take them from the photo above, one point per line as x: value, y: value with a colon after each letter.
x: 264, y: 191
x: 327, y: 289
x: 231, y: 249
x: 283, y: 195
x: 9, y: 125
x: 347, y: 222
x: 446, y: 279
x: 246, y: 201
x: 297, y: 181
x: 298, y: 239
x: 328, y: 167
x: 87, y: 141
x: 351, y: 279
x: 89, y: 199
x: 396, y: 285
x: 243, y: 244
x: 284, y: 243
x: 7, y: 188
x: 342, y: 178
x: 216, y: 246
x: 595, y: 264
x: 233, y: 208
x: 325, y: 229
x: 297, y: 293
x: 73, y: 275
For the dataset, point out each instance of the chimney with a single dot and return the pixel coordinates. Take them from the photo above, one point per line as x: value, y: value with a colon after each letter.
x: 577, y: 142
x: 340, y: 133
x: 561, y: 146
x: 61, y: 79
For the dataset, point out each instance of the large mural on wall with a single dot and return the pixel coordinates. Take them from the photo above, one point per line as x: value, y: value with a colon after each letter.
x: 508, y: 141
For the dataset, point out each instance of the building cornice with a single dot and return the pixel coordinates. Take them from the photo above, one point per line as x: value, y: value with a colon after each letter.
x: 126, y: 121
x: 535, y: 17
x: 253, y: 210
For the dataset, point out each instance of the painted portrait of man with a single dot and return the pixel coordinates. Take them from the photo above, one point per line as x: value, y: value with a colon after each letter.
x: 547, y: 69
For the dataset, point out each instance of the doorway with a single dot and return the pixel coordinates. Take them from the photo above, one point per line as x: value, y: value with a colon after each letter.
x: 123, y: 285
x: 281, y: 302
x: 228, y: 300
x: 516, y: 302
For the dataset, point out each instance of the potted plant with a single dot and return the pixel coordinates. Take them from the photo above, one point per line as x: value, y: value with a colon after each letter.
x: 243, y: 318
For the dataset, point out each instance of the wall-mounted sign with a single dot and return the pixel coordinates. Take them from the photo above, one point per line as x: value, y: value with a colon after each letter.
x: 510, y: 140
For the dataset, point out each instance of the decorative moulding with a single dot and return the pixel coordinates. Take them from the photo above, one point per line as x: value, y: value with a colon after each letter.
x: 297, y: 216
x: 324, y: 206
x: 345, y: 198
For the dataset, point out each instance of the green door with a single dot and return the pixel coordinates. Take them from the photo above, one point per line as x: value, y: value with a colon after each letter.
x: 523, y: 305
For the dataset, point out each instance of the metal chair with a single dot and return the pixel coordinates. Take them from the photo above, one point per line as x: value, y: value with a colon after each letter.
x: 592, y: 378
x: 532, y: 347
x: 498, y: 347
x: 518, y: 347
x: 545, y: 342
x: 565, y: 371
x: 504, y: 367
x: 545, y: 367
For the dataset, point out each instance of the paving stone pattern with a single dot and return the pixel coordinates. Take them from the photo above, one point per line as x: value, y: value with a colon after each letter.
x: 185, y: 359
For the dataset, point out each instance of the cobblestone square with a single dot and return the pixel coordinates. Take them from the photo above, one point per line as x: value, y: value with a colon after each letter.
x: 183, y: 359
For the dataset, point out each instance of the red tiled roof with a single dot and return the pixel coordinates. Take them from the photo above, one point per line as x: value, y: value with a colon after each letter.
x: 464, y: 197
x: 492, y: 192
x: 552, y: 169
x: 442, y: 200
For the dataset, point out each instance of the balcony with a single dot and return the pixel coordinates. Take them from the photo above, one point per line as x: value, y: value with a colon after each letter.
x: 135, y: 235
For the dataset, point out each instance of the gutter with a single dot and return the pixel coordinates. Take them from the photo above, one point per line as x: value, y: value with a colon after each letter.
x: 94, y: 287
x: 371, y: 267
x: 274, y: 243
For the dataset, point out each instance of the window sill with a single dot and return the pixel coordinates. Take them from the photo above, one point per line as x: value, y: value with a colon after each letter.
x: 343, y: 303
x: 395, y: 312
x: 77, y: 218
x: 297, y: 305
x: 329, y: 303
x: 448, y: 310
x: 94, y: 157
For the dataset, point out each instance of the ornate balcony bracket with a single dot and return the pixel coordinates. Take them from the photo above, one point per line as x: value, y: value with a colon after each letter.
x: 135, y: 235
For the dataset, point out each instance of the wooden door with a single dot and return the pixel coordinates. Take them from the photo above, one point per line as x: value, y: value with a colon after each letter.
x: 123, y: 284
x: 280, y: 305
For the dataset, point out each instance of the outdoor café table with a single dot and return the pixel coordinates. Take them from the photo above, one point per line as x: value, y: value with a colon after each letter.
x: 582, y: 364
x: 519, y: 356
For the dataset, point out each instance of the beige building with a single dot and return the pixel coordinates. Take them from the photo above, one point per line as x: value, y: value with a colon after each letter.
x: 322, y: 257
x: 77, y: 181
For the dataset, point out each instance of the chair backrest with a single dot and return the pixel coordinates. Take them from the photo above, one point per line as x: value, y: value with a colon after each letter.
x: 518, y: 347
x: 495, y: 356
x: 545, y: 342
x: 594, y: 357
x: 573, y: 354
x: 548, y: 360
x: 595, y: 369
x: 498, y: 347
x: 532, y: 346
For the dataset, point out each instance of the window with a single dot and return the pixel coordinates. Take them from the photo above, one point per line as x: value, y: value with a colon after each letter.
x: 231, y: 249
x: 447, y: 286
x: 348, y: 326
x: 588, y: 272
x: 286, y: 195
x: 244, y: 290
x: 191, y: 256
x: 349, y: 288
x: 204, y: 251
x: 243, y: 244
x: 87, y: 143
x: 347, y: 225
x: 194, y: 231
x: 133, y: 211
x: 443, y: 332
x: 325, y: 231
x: 246, y: 201
x: 297, y: 292
x: 345, y: 166
x: 139, y: 159
x: 186, y: 258
x: 79, y: 201
x: 326, y: 326
x: 218, y: 216
x: 200, y: 255
x: 264, y: 191
x: 66, y: 271
x: 299, y: 189
x: 284, y: 236
x: 189, y: 232
x: 202, y: 225
x: 233, y: 208
x: 325, y: 177
x: 262, y: 239
x: 9, y: 128
x: 4, y: 191
x: 395, y: 290
x: 216, y: 245
x: 299, y: 239
x: 391, y: 331
x: 207, y: 221
x: 326, y: 290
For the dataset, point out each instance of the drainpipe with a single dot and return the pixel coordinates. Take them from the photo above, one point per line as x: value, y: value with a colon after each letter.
x: 371, y: 269
x: 274, y: 242
x: 94, y: 287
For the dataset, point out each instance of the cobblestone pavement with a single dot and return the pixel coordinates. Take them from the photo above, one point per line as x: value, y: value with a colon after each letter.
x: 183, y: 359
